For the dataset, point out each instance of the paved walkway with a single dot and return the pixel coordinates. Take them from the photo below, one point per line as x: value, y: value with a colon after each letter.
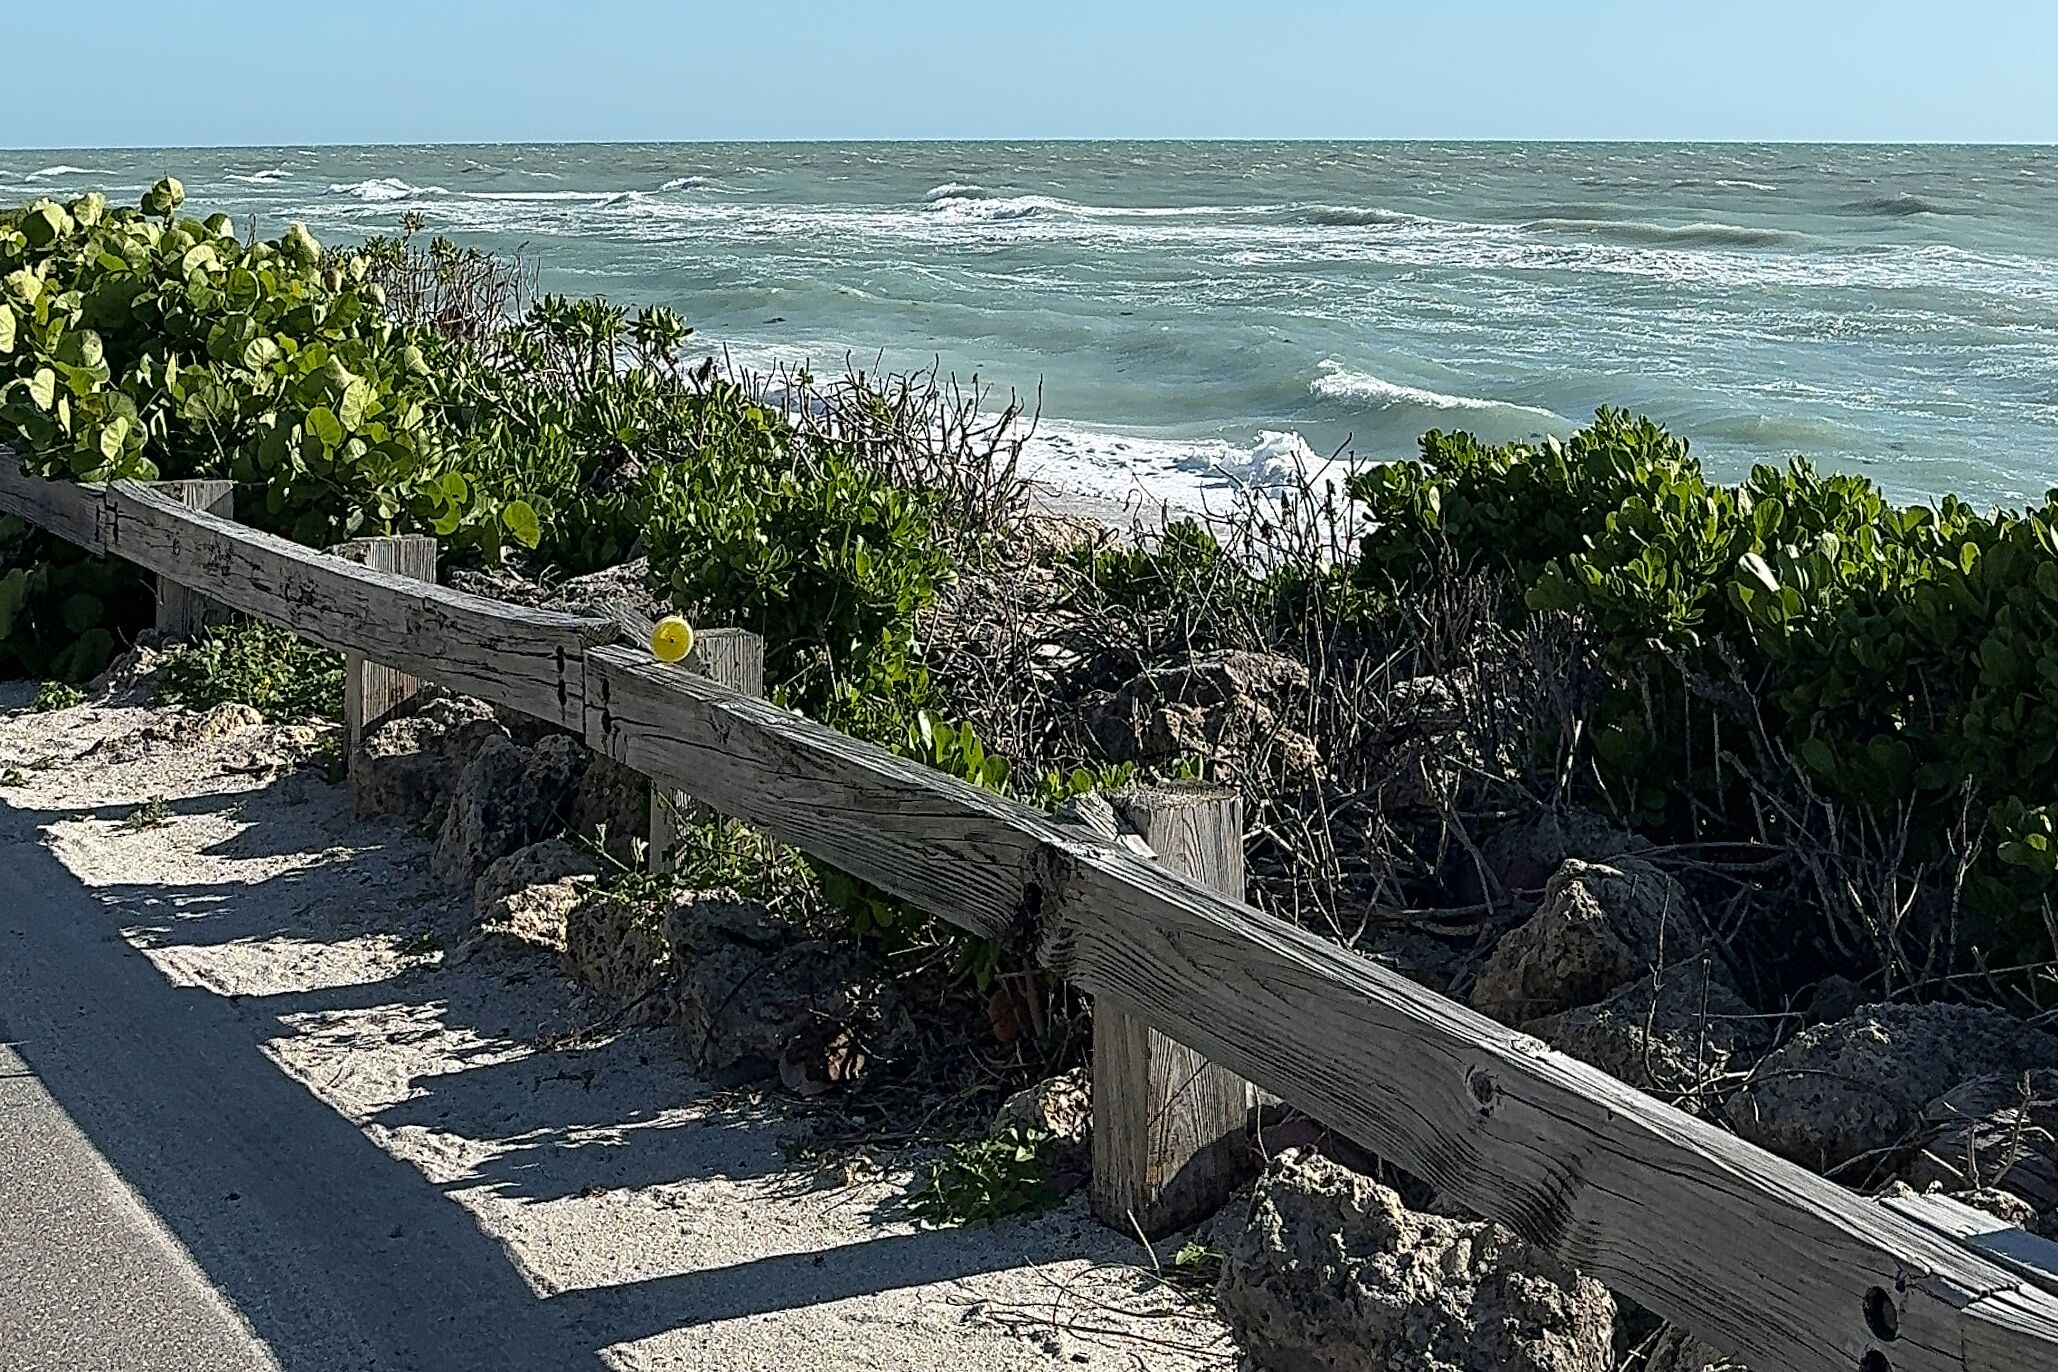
x: 158, y: 1174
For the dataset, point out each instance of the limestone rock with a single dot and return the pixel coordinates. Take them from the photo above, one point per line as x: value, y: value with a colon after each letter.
x: 1670, y: 1036
x: 613, y: 802
x: 1839, y: 1091
x: 1600, y: 925
x: 409, y: 763
x: 507, y: 796
x: 1229, y: 707
x: 756, y: 996
x: 527, y: 894
x: 1522, y: 856
x: 1061, y: 1107
x: 1997, y: 1131
x: 228, y: 718
x: 617, y: 946
x: 1332, y: 1273
x: 1678, y: 1351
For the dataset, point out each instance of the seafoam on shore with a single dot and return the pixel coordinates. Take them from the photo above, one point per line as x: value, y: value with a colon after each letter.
x: 1191, y: 311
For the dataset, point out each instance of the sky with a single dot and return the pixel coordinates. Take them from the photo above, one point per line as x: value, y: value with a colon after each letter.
x: 152, y: 74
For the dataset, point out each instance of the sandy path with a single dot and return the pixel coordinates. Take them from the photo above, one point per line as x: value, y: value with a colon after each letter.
x: 370, y: 1148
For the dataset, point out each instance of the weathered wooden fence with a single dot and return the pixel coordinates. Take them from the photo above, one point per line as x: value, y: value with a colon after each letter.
x: 1750, y: 1252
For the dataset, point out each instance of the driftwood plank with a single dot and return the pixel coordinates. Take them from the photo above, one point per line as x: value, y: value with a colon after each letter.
x: 528, y: 660
x: 1750, y: 1252
x: 77, y: 514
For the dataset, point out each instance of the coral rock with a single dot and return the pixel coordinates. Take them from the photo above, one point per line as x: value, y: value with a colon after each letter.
x: 507, y: 797
x: 527, y: 894
x: 1859, y: 1086
x: 409, y: 763
x: 1332, y: 1273
x: 1599, y: 926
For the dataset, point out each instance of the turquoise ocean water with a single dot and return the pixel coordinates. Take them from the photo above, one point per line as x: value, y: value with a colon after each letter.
x: 1201, y: 313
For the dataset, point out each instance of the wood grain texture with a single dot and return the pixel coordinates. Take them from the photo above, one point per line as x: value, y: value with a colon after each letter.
x: 1748, y: 1251
x: 371, y: 690
x: 182, y: 612
x: 734, y: 658
x: 527, y: 660
x: 77, y: 514
x: 2031, y: 1256
x: 1169, y: 1127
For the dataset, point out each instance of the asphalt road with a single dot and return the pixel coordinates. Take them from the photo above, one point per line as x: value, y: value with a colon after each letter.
x: 171, y: 1200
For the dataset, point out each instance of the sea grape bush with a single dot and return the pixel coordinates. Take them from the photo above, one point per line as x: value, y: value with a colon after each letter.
x: 1908, y: 654
x: 136, y: 343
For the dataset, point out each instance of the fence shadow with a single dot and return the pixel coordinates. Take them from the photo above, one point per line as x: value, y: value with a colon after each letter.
x: 336, y: 1251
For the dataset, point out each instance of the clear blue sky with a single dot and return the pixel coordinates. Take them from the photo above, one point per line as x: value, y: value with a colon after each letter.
x: 152, y: 73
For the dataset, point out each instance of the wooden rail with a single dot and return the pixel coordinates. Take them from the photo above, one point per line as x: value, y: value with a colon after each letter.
x: 1753, y: 1254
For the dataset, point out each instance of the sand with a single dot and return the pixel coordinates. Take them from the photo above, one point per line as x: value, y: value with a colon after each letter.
x: 651, y: 1219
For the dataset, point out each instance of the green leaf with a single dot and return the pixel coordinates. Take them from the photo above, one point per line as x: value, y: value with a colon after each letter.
x: 323, y: 424
x: 6, y: 327
x: 165, y: 197
x: 43, y: 388
x: 1759, y: 569
x: 520, y: 519
x: 357, y: 397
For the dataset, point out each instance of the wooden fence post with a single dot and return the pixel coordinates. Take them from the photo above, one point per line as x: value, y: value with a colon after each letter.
x: 371, y: 692
x: 728, y: 657
x: 1168, y: 1126
x: 182, y: 613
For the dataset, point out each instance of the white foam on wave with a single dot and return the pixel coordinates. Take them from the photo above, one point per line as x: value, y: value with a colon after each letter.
x: 686, y: 183
x: 954, y: 190
x: 584, y: 197
x: 987, y: 209
x: 1338, y: 382
x: 66, y: 169
x: 384, y: 188
x: 268, y: 177
x: 1186, y: 473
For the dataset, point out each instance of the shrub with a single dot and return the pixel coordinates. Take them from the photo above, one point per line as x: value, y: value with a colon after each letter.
x: 989, y: 1179
x: 254, y: 664
x: 1904, y: 657
x: 52, y: 696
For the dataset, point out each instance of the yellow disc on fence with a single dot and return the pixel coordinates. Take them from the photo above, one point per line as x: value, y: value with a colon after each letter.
x: 672, y: 639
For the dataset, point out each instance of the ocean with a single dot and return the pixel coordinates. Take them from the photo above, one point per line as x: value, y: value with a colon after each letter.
x: 1191, y: 316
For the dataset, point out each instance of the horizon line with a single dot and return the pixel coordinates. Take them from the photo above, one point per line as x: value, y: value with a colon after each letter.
x: 1060, y: 139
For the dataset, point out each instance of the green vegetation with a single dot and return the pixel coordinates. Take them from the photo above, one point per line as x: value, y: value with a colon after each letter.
x: 1791, y: 646
x: 252, y: 663
x: 153, y: 813
x: 56, y: 695
x: 1791, y: 661
x: 989, y: 1179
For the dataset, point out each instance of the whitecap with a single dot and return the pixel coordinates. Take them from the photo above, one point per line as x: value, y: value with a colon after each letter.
x: 970, y: 208
x: 1338, y: 382
x: 954, y: 190
x: 384, y: 188
x: 1186, y: 473
x: 66, y: 169
x: 686, y: 183
x: 270, y: 176
x: 589, y: 197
